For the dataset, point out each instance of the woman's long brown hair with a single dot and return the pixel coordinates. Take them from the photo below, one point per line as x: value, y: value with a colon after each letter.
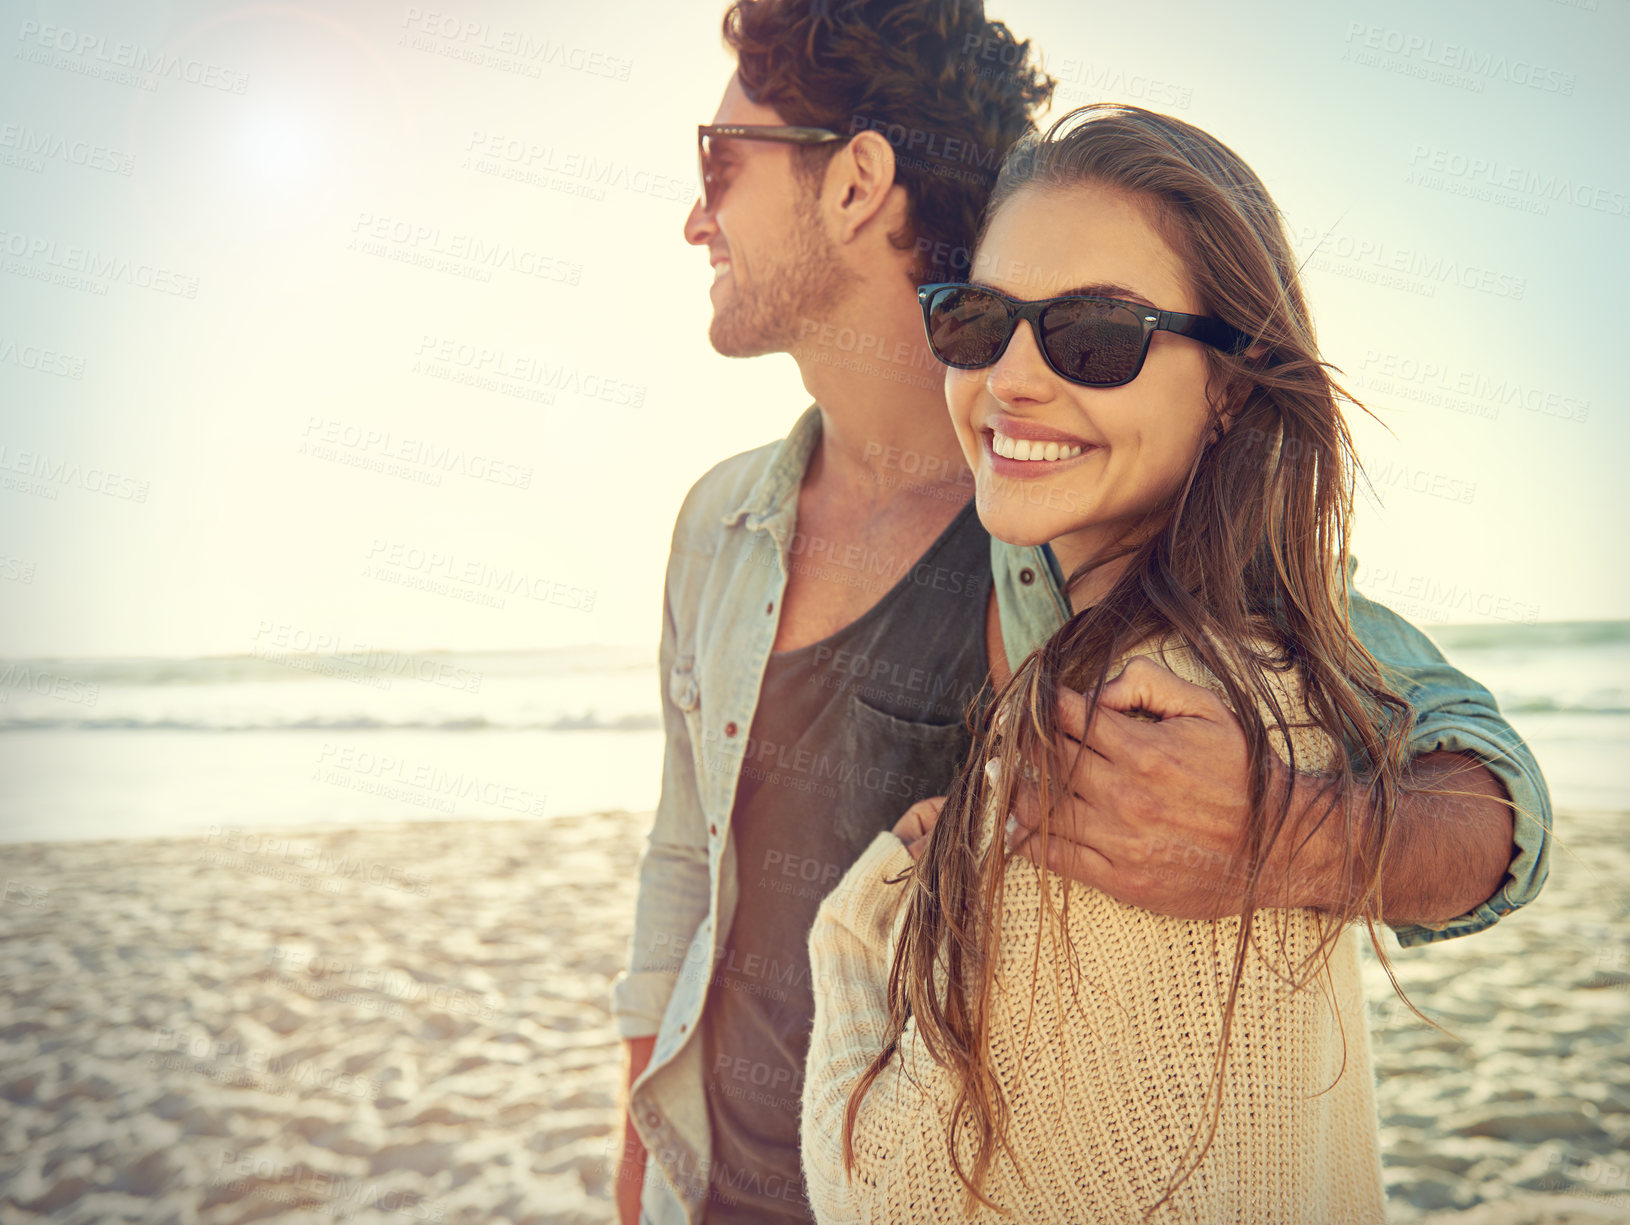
x: 1245, y: 564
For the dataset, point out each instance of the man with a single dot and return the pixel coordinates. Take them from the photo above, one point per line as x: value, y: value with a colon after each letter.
x: 830, y: 610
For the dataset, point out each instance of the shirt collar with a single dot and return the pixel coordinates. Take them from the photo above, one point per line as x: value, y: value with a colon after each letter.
x: 1029, y: 594
x: 773, y: 500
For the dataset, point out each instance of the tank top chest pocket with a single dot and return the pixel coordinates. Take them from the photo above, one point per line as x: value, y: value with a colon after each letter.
x: 889, y: 764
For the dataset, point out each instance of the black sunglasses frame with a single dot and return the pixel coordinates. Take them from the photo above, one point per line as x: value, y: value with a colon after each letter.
x: 751, y: 131
x: 1207, y: 329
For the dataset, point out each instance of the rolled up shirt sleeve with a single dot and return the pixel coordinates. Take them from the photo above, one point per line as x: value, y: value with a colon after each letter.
x: 1455, y: 714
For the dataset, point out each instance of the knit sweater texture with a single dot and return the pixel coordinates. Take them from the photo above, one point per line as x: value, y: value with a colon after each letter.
x: 1109, y: 1069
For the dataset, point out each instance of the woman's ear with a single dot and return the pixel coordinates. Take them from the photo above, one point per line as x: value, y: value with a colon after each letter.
x: 1223, y: 420
x: 1239, y: 388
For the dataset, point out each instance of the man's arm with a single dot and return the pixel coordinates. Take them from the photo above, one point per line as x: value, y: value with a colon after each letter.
x: 631, y: 1149
x: 1156, y: 809
x: 1195, y: 766
x: 1456, y: 715
x: 1450, y: 845
x: 674, y: 888
x: 674, y: 884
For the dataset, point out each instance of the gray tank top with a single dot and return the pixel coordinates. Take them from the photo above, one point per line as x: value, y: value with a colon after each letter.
x: 849, y: 732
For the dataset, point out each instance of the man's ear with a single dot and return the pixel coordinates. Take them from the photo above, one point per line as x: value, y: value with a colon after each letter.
x: 860, y: 180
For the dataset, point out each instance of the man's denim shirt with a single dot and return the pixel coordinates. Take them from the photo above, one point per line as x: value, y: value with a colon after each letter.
x: 720, y: 613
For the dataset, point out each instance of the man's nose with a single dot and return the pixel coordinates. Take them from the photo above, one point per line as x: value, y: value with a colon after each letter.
x: 699, y: 225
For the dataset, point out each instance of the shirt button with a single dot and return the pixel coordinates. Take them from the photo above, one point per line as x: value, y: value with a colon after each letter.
x: 654, y: 1119
x: 683, y: 1026
x: 729, y: 729
x: 713, y: 831
x: 769, y: 608
x: 1027, y: 576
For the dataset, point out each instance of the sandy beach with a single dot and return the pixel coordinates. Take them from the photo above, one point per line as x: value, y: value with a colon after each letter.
x: 409, y: 1022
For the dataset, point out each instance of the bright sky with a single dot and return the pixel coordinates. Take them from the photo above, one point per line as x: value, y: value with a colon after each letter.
x: 248, y: 252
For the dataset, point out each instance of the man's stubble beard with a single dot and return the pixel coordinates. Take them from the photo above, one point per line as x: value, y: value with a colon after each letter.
x: 805, y: 284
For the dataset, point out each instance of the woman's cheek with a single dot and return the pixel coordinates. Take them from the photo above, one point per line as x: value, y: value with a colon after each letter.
x: 961, y: 395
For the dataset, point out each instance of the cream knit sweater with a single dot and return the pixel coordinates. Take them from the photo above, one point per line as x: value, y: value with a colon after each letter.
x: 1108, y: 1082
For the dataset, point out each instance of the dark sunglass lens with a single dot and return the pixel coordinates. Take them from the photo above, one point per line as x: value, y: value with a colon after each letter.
x: 1092, y: 342
x: 966, y: 326
x: 705, y: 171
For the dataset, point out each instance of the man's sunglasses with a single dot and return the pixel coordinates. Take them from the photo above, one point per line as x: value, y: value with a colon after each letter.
x: 1096, y: 342
x: 707, y: 133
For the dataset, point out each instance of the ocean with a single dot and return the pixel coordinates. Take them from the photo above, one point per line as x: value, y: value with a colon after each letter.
x: 144, y: 747
x: 150, y: 747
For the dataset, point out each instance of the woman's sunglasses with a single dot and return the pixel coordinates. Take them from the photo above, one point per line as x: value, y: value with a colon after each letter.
x: 1096, y: 342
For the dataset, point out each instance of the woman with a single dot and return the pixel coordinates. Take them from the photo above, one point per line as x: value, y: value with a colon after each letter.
x: 1134, y: 379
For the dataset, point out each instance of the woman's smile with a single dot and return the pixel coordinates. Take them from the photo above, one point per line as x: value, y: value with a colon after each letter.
x: 1023, y: 449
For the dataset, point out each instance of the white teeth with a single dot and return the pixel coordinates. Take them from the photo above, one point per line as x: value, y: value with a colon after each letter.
x: 1025, y: 449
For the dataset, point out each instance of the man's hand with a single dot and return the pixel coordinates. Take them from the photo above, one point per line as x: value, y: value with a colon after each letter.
x: 913, y: 828
x: 1156, y: 812
x: 1157, y: 801
x: 631, y: 1157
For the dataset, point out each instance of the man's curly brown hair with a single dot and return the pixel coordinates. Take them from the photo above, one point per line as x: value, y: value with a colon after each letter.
x: 949, y: 89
